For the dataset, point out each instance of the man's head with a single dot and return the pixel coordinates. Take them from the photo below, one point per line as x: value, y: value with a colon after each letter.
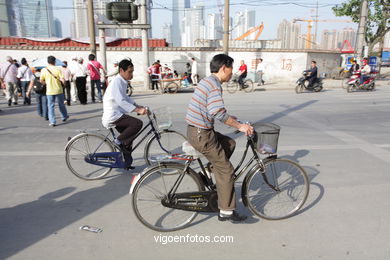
x: 65, y: 64
x: 222, y: 66
x: 242, y: 62
x: 193, y: 59
x: 365, y: 62
x: 51, y: 60
x: 91, y: 57
x: 261, y: 60
x: 126, y: 69
x: 116, y: 63
x: 313, y: 63
x: 80, y: 60
x: 23, y: 61
x: 9, y: 58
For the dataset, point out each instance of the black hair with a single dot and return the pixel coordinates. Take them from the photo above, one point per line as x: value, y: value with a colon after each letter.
x: 51, y: 60
x: 91, y: 56
x: 23, y: 61
x: 125, y: 64
x: 219, y: 60
x: 261, y: 60
x: 313, y: 61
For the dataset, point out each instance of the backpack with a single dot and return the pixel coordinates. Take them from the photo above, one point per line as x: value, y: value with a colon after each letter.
x: 38, y: 87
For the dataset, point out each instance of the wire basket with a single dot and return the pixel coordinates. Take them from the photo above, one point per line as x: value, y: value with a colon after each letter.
x: 267, y: 137
x: 163, y: 117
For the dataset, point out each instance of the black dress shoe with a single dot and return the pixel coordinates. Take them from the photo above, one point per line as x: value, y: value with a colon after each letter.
x: 235, y: 217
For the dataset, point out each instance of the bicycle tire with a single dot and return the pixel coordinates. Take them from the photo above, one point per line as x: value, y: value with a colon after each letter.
x: 248, y: 86
x: 171, y: 140
x: 299, y: 88
x: 350, y: 88
x: 172, y: 88
x: 151, y: 189
x: 231, y: 87
x: 79, y: 147
x: 267, y: 203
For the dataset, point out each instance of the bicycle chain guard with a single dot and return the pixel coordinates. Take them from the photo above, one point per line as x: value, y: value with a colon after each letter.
x: 203, y: 201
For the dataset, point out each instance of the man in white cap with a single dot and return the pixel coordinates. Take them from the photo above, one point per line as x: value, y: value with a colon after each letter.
x: 8, y: 73
x: 72, y: 66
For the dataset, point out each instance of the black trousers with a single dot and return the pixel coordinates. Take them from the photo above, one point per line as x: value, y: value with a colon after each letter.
x: 81, y: 83
x: 128, y: 127
x: 241, y: 79
x: 67, y: 92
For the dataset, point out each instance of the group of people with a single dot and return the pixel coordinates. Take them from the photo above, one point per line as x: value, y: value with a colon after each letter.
x: 365, y: 70
x: 205, y: 106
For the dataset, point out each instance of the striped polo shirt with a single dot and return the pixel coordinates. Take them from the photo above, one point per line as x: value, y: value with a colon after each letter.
x: 206, y: 104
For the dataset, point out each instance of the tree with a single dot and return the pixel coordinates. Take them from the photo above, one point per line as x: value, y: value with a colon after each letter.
x: 378, y: 20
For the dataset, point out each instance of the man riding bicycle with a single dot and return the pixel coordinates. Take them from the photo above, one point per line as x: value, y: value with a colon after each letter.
x: 242, y: 72
x: 116, y: 105
x: 205, y: 106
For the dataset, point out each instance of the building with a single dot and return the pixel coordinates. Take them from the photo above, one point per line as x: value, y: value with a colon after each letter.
x: 4, y: 25
x: 57, y: 28
x: 348, y: 34
x: 243, y: 22
x: 178, y: 13
x: 167, y: 32
x: 214, y: 27
x: 290, y: 35
x: 194, y: 26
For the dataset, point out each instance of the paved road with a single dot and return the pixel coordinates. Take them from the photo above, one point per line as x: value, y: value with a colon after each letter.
x: 341, y: 139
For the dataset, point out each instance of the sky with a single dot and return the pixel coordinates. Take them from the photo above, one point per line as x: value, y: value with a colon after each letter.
x: 270, y: 12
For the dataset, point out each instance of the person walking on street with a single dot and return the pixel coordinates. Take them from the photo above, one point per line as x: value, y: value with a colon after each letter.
x: 80, y: 74
x: 189, y: 70
x: 25, y: 76
x: 52, y: 77
x: 40, y: 94
x: 194, y: 72
x: 260, y: 69
x: 207, y: 105
x: 94, y: 68
x: 68, y: 79
x: 116, y: 105
x: 8, y: 73
x: 73, y: 90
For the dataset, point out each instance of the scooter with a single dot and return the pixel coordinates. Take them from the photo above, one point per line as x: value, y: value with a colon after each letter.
x: 303, y: 83
x: 354, y: 83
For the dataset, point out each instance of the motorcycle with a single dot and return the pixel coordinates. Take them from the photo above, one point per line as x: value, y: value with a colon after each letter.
x: 303, y: 83
x: 354, y: 83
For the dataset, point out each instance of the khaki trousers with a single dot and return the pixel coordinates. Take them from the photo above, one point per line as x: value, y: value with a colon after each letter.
x: 11, y: 92
x: 217, y: 148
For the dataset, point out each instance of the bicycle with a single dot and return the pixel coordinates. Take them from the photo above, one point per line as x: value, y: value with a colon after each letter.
x: 233, y: 85
x: 91, y: 156
x: 169, y: 195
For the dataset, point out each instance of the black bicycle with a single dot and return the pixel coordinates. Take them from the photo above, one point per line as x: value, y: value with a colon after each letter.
x: 169, y: 196
x: 91, y: 156
x: 232, y: 86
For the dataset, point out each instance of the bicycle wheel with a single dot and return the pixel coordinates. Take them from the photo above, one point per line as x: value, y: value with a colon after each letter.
x: 279, y: 192
x: 231, y: 87
x: 170, y: 140
x: 248, y: 85
x: 154, y: 186
x: 80, y: 147
x: 172, y: 88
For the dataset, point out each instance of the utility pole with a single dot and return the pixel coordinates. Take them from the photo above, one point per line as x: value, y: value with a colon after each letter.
x: 386, y: 14
x: 102, y: 47
x: 361, y: 30
x: 226, y: 18
x: 91, y: 27
x: 145, y: 44
x: 316, y: 24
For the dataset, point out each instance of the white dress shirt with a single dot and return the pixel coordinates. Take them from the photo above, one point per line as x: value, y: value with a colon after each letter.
x: 194, y: 68
x: 80, y: 70
x: 260, y: 67
x: 24, y: 73
x: 115, y: 101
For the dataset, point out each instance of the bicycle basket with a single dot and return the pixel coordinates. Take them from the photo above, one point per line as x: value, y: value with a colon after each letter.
x: 163, y: 117
x: 268, y: 136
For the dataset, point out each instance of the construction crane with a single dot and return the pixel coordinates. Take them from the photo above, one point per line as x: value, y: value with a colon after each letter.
x: 309, y: 26
x: 259, y: 30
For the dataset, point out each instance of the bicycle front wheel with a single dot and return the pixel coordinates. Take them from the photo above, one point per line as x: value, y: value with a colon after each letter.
x: 248, y: 85
x: 82, y: 146
x: 279, y: 191
x: 167, y: 142
x: 231, y: 87
x: 153, y: 187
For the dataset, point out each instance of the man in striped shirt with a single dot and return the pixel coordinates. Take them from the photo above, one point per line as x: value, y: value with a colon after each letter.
x: 205, y: 106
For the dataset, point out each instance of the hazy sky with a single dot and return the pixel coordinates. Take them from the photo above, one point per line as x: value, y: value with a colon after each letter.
x: 271, y: 12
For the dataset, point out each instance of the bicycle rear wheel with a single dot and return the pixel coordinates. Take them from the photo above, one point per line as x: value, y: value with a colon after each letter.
x: 248, y: 85
x: 153, y: 187
x: 279, y: 192
x: 170, y: 140
x: 79, y: 148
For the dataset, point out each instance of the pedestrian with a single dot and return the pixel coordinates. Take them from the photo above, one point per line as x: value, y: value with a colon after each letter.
x: 207, y: 105
x: 68, y: 79
x: 260, y: 69
x: 94, y: 68
x: 8, y: 73
x: 73, y: 90
x: 155, y: 76
x: 40, y: 94
x: 194, y: 72
x: 116, y: 106
x: 25, y: 76
x: 52, y: 77
x: 80, y: 74
x: 188, y: 70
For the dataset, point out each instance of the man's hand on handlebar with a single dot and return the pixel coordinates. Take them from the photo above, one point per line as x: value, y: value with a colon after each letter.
x: 141, y: 110
x: 246, y: 128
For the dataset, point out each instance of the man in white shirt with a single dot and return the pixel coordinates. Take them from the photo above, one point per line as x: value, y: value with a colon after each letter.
x: 26, y: 79
x: 72, y: 67
x: 260, y: 71
x: 116, y: 105
x: 365, y: 72
x: 194, y: 72
x: 8, y: 72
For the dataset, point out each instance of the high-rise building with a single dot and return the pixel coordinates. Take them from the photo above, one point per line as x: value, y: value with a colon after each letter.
x: 4, y: 25
x: 214, y: 27
x: 30, y: 18
x: 57, y: 26
x: 348, y: 34
x: 243, y: 22
x: 329, y: 39
x: 178, y: 13
x: 290, y: 35
x: 194, y: 26
x: 167, y: 32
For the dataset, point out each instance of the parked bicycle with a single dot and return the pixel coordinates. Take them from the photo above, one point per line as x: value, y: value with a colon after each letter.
x: 232, y: 86
x: 169, y: 195
x: 91, y: 155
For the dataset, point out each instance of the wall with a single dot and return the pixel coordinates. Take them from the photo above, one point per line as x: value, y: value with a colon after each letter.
x: 281, y: 66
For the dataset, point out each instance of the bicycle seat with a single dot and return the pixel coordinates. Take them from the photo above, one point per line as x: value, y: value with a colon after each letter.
x: 189, y: 150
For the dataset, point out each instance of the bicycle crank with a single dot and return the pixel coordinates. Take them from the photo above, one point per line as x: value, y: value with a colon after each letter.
x: 203, y: 201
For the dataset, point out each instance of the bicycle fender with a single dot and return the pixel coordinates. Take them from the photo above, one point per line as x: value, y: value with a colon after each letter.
x: 244, y: 184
